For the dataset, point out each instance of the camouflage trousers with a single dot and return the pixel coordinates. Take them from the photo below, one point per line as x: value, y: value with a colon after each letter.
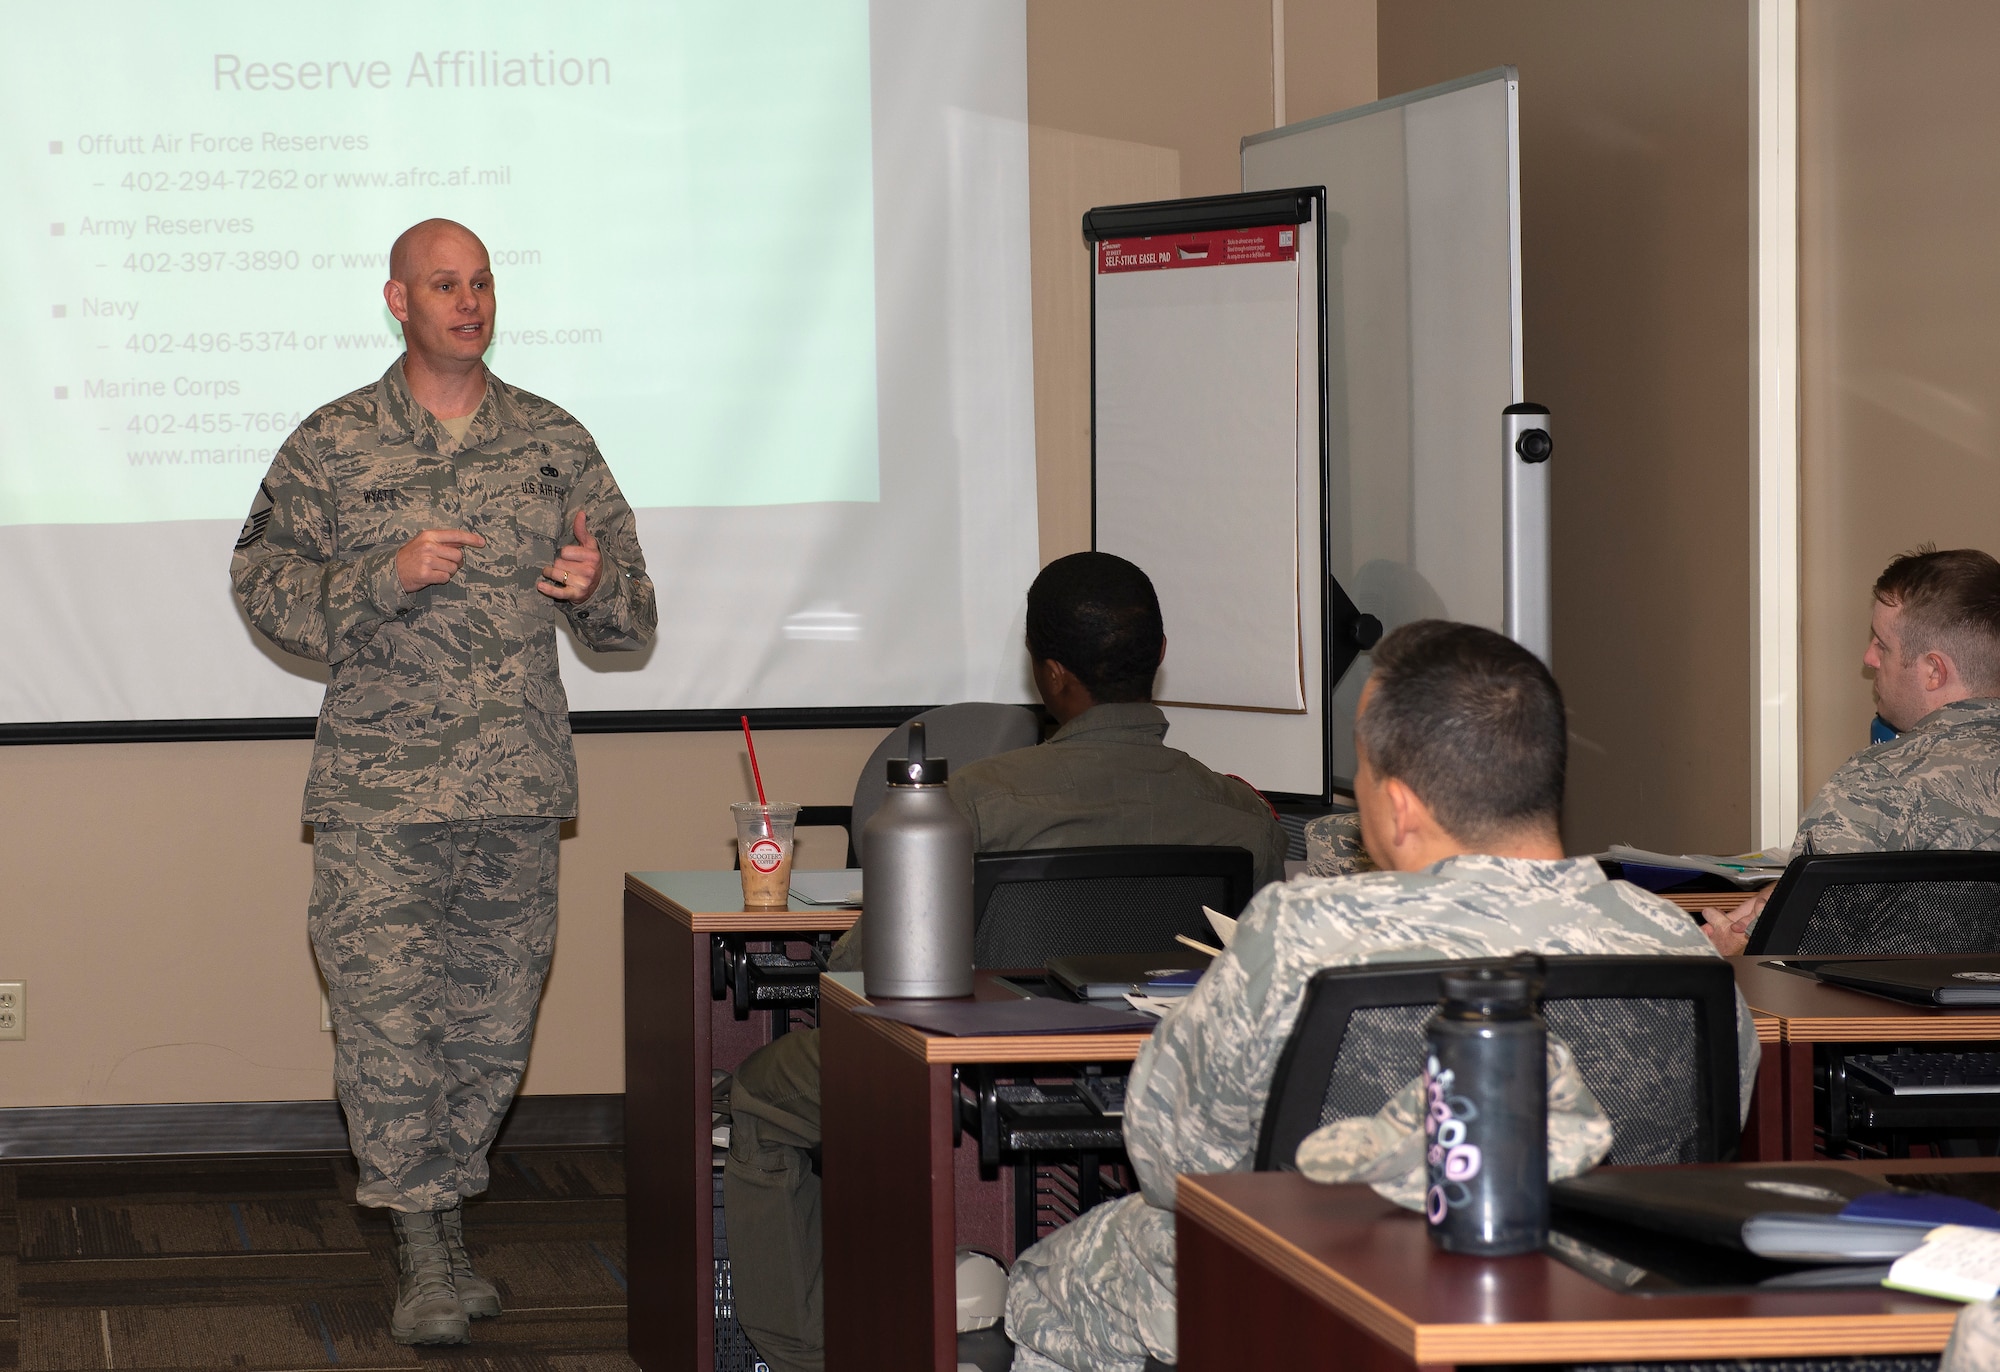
x: 1098, y: 1294
x: 434, y: 940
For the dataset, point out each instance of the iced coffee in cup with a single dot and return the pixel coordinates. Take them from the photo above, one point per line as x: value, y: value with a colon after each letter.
x: 764, y: 851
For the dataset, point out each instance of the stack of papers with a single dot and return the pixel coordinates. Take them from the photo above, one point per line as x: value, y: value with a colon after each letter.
x: 1663, y: 871
x: 1955, y: 1263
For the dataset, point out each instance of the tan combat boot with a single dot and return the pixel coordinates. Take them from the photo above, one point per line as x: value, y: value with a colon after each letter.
x: 478, y: 1295
x: 427, y: 1305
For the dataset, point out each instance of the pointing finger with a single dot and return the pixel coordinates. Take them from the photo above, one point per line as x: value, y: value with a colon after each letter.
x: 463, y: 538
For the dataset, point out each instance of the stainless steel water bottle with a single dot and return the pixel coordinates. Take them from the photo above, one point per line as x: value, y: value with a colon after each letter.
x: 917, y: 885
x: 1486, y: 1088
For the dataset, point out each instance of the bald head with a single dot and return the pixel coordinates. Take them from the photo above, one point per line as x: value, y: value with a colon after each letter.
x: 440, y: 288
x: 411, y: 254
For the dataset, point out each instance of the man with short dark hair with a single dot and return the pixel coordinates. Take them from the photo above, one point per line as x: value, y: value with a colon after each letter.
x: 1934, y: 649
x: 1105, y: 776
x: 1460, y: 740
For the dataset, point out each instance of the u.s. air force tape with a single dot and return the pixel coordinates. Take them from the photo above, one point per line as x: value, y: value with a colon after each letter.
x: 260, y: 516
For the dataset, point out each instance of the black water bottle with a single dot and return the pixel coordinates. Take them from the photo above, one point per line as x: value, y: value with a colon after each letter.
x: 1486, y: 1086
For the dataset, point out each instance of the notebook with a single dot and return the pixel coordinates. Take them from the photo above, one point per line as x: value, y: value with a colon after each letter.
x: 1113, y: 976
x: 1786, y: 1214
x: 836, y: 887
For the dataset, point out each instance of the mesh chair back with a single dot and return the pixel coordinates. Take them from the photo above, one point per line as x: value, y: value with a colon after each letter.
x: 1869, y: 903
x: 1031, y: 906
x: 960, y: 734
x: 1654, y: 1038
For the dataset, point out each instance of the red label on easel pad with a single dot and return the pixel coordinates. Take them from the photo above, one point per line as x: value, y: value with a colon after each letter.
x: 1213, y: 248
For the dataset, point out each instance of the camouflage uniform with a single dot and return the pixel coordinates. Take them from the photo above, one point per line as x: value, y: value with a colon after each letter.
x: 442, y: 765
x: 1334, y: 847
x: 1097, y: 1295
x: 1935, y: 786
x: 1975, y: 1340
x: 1104, y: 777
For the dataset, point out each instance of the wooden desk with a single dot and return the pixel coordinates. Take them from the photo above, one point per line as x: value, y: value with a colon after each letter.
x: 897, y: 1196
x: 675, y: 1034
x: 1275, y: 1271
x: 1807, y: 1012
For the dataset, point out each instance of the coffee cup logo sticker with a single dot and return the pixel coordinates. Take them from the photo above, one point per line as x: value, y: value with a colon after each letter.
x: 766, y: 854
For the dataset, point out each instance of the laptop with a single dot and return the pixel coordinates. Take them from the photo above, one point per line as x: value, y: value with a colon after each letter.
x: 1111, y: 976
x: 1950, y: 979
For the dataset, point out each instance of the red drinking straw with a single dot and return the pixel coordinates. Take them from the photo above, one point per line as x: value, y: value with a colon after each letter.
x: 755, y: 775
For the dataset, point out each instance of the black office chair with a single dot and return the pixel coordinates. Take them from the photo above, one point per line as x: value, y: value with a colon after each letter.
x: 1046, y: 903
x: 1030, y: 906
x: 1864, y: 903
x: 1654, y: 1037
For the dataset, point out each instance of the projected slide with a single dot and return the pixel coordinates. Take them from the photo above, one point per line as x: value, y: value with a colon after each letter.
x: 773, y: 253
x: 212, y: 232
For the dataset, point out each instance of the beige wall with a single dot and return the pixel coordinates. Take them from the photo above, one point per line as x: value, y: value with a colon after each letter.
x: 155, y: 898
x: 1899, y: 193
x: 1148, y: 100
x: 1635, y: 147
x: 152, y: 895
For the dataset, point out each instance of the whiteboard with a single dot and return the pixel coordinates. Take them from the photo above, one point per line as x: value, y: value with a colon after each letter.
x: 1423, y: 351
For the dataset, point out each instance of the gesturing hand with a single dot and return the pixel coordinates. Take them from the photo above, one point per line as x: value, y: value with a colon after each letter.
x: 432, y: 556
x: 577, y: 569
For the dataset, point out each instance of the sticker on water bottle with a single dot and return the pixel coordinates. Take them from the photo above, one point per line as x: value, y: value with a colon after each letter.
x: 1453, y: 1162
x: 766, y: 854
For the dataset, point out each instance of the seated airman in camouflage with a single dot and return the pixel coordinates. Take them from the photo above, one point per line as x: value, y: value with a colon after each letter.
x: 1934, y: 649
x: 1460, y: 738
x: 1095, y: 643
x: 424, y: 536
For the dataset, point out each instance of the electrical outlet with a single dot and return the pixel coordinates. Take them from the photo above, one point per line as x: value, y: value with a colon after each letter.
x: 13, y: 1009
x: 325, y: 1011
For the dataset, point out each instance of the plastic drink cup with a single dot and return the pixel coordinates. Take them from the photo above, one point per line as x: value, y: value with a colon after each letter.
x: 764, y: 851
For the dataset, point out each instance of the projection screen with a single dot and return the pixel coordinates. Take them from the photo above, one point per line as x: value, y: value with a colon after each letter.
x: 773, y: 254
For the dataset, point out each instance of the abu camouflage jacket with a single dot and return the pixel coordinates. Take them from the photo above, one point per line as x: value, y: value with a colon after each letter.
x: 1098, y: 1294
x: 444, y: 704
x: 1934, y: 786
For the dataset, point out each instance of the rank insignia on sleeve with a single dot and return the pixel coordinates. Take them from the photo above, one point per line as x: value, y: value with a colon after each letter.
x: 260, y: 516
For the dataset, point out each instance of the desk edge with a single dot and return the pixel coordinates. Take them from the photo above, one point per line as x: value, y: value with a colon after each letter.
x: 1561, y: 1341
x: 812, y: 921
x: 1871, y: 1029
x: 1270, y: 1249
x: 1650, y: 1340
x: 945, y: 1048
